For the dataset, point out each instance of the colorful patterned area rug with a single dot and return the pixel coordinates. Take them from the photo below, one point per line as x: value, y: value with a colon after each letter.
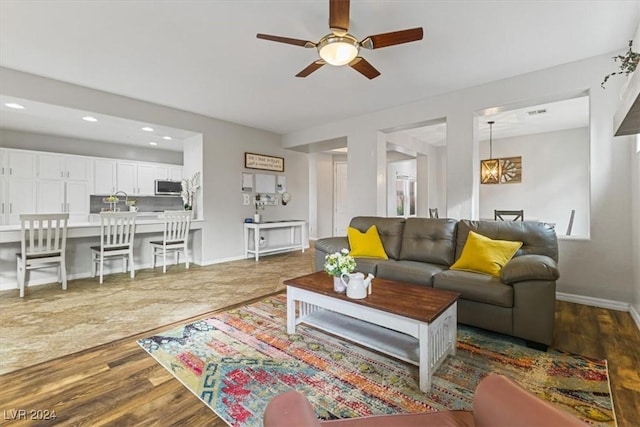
x: 237, y: 360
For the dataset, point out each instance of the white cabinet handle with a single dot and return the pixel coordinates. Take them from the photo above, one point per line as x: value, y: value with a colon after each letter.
x: 67, y: 174
x: 61, y: 174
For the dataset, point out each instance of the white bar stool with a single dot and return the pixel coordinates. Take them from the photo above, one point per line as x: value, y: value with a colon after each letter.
x: 116, y: 240
x: 175, y: 238
x: 43, y: 244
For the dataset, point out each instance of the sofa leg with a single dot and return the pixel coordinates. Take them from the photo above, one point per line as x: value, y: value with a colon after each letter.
x: 536, y: 345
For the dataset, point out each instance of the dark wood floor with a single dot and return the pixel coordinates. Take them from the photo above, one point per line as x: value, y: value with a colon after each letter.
x: 119, y: 384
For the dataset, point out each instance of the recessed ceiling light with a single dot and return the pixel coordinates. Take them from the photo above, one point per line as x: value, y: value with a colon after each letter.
x: 89, y: 119
x: 14, y: 106
x: 168, y: 138
x: 147, y: 129
x: 153, y: 143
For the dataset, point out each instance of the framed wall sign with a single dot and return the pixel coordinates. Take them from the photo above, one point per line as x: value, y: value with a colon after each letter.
x: 260, y: 161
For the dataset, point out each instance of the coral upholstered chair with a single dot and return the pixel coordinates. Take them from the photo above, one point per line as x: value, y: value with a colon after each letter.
x: 498, y: 402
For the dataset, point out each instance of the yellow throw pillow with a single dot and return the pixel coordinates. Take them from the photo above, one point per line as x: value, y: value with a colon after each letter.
x: 484, y: 255
x: 366, y: 244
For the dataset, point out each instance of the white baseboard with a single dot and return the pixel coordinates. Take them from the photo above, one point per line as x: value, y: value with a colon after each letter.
x: 595, y: 302
x: 635, y: 316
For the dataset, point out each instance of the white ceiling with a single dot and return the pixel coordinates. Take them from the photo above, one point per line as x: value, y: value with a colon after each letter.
x: 203, y: 56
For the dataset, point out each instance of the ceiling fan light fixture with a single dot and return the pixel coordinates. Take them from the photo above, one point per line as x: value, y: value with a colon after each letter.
x: 338, y: 50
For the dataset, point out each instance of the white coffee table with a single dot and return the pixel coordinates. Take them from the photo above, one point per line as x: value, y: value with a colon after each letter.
x: 410, y: 322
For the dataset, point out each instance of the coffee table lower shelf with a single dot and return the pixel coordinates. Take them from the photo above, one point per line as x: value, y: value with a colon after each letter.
x: 395, y: 344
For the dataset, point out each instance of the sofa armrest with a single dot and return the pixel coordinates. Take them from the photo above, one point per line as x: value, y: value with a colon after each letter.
x: 326, y: 246
x: 530, y: 267
x: 498, y: 401
x: 290, y: 409
x: 329, y: 245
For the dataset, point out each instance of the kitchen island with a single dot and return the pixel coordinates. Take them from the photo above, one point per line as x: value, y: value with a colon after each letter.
x: 80, y: 237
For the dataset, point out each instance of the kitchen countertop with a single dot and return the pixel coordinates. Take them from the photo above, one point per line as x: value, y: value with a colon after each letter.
x: 144, y: 224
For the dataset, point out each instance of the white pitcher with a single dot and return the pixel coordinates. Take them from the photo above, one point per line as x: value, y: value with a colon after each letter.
x: 357, y: 286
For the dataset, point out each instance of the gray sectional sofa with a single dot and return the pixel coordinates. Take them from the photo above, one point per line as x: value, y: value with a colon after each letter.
x: 520, y: 303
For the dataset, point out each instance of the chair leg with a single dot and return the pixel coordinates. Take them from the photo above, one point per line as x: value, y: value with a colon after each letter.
x: 153, y: 256
x: 164, y: 260
x: 133, y: 269
x: 186, y: 257
x: 63, y: 273
x: 101, y: 266
x: 94, y: 260
x: 21, y: 277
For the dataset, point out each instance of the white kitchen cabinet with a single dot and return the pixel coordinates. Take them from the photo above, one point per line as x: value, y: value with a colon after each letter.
x: 175, y: 173
x: 63, y: 166
x: 56, y: 196
x: 51, y: 166
x: 21, y: 198
x: 127, y: 177
x: 77, y: 201
x: 146, y: 179
x: 139, y: 178
x: 50, y: 197
x: 21, y: 164
x: 104, y: 176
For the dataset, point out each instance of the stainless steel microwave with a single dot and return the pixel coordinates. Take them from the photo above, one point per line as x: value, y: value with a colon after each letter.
x: 168, y: 188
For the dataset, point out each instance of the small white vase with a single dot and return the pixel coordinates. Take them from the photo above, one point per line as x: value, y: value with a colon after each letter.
x: 256, y: 217
x: 338, y: 285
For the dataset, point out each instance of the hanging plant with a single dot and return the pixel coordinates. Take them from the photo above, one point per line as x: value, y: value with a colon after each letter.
x: 628, y: 63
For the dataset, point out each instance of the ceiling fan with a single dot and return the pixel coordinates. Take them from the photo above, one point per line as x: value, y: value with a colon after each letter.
x: 341, y: 48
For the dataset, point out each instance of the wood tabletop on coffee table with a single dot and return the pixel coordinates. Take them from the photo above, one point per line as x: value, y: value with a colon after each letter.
x: 418, y: 302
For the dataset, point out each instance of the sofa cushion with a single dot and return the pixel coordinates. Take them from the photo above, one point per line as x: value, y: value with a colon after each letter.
x: 368, y: 265
x: 475, y: 287
x: 429, y: 240
x: 389, y: 229
x: 367, y: 244
x: 538, y: 238
x: 484, y: 255
x: 409, y: 271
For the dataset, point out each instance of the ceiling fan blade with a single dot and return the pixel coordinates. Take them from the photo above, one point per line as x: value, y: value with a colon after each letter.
x: 311, y: 68
x: 297, y: 42
x: 339, y: 16
x: 393, y: 38
x: 363, y: 67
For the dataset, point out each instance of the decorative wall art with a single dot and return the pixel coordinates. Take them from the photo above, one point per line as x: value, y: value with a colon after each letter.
x: 261, y: 161
x: 510, y: 170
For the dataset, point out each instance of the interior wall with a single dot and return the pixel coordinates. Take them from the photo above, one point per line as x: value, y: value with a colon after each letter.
x: 83, y: 147
x: 555, y: 178
x: 598, y: 267
x: 324, y: 195
x: 221, y: 159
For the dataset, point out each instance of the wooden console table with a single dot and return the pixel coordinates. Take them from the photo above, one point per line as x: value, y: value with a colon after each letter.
x: 256, y: 250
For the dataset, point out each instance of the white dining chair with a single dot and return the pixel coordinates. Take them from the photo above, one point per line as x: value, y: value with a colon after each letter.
x: 175, y: 238
x: 117, y: 230
x: 43, y: 244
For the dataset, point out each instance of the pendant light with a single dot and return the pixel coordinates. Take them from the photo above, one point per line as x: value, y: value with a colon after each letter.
x: 490, y: 168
